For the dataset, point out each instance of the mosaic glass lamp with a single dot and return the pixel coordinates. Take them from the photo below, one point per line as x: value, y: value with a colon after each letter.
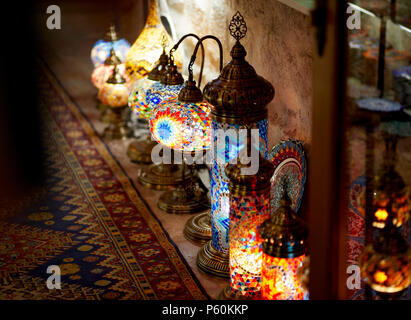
x: 143, y: 54
x: 284, y: 238
x: 249, y: 207
x: 165, y: 176
x: 100, y: 75
x: 169, y: 87
x: 139, y: 151
x: 101, y: 49
x: 239, y: 99
x: 114, y: 94
x: 385, y: 263
x: 183, y: 124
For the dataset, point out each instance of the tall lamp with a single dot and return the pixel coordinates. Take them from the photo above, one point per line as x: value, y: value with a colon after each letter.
x: 238, y: 98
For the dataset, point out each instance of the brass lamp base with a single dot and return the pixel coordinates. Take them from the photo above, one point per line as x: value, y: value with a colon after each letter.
x: 228, y: 294
x: 180, y: 201
x: 100, y: 106
x: 113, y: 132
x: 212, y: 261
x: 162, y: 176
x: 117, y: 129
x: 107, y: 115
x: 139, y: 151
x: 198, y: 228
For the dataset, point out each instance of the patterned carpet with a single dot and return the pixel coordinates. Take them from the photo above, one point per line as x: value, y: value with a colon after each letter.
x: 89, y: 220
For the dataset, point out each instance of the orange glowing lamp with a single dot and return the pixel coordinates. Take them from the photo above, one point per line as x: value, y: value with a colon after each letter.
x: 385, y: 264
x: 284, y: 238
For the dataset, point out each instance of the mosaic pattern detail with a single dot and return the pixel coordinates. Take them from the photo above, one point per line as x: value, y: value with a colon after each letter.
x: 220, y: 201
x: 143, y: 54
x: 100, y: 75
x: 159, y: 92
x: 289, y: 161
x: 380, y: 105
x: 182, y: 126
x: 137, y: 98
x: 101, y: 51
x: 89, y: 220
x: 114, y: 95
x: 246, y: 214
x: 279, y: 279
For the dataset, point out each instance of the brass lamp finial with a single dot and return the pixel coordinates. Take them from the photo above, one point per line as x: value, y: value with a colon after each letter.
x: 238, y: 27
x: 238, y: 95
x: 116, y: 77
x: 158, y: 71
x: 112, y: 34
x: 112, y: 59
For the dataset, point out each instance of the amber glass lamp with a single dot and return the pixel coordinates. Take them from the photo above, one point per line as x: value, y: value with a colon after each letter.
x: 385, y: 264
x: 114, y: 94
x: 249, y: 207
x: 239, y: 99
x: 391, y: 195
x: 144, y: 53
x: 101, y: 49
x: 284, y: 238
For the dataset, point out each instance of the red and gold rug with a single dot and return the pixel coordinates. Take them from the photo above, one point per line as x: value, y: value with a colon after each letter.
x: 89, y: 220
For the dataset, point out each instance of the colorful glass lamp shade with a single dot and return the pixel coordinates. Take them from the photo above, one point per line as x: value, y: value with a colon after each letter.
x: 139, y: 151
x: 183, y: 124
x: 102, y: 73
x: 101, y: 49
x: 143, y: 54
x: 249, y: 207
x: 164, y: 176
x: 114, y: 94
x: 239, y: 99
x: 284, y: 238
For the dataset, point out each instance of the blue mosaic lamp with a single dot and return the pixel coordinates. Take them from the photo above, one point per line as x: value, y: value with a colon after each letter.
x: 184, y: 124
x: 169, y: 87
x: 139, y: 151
x: 239, y: 99
x: 165, y: 176
x: 101, y: 49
